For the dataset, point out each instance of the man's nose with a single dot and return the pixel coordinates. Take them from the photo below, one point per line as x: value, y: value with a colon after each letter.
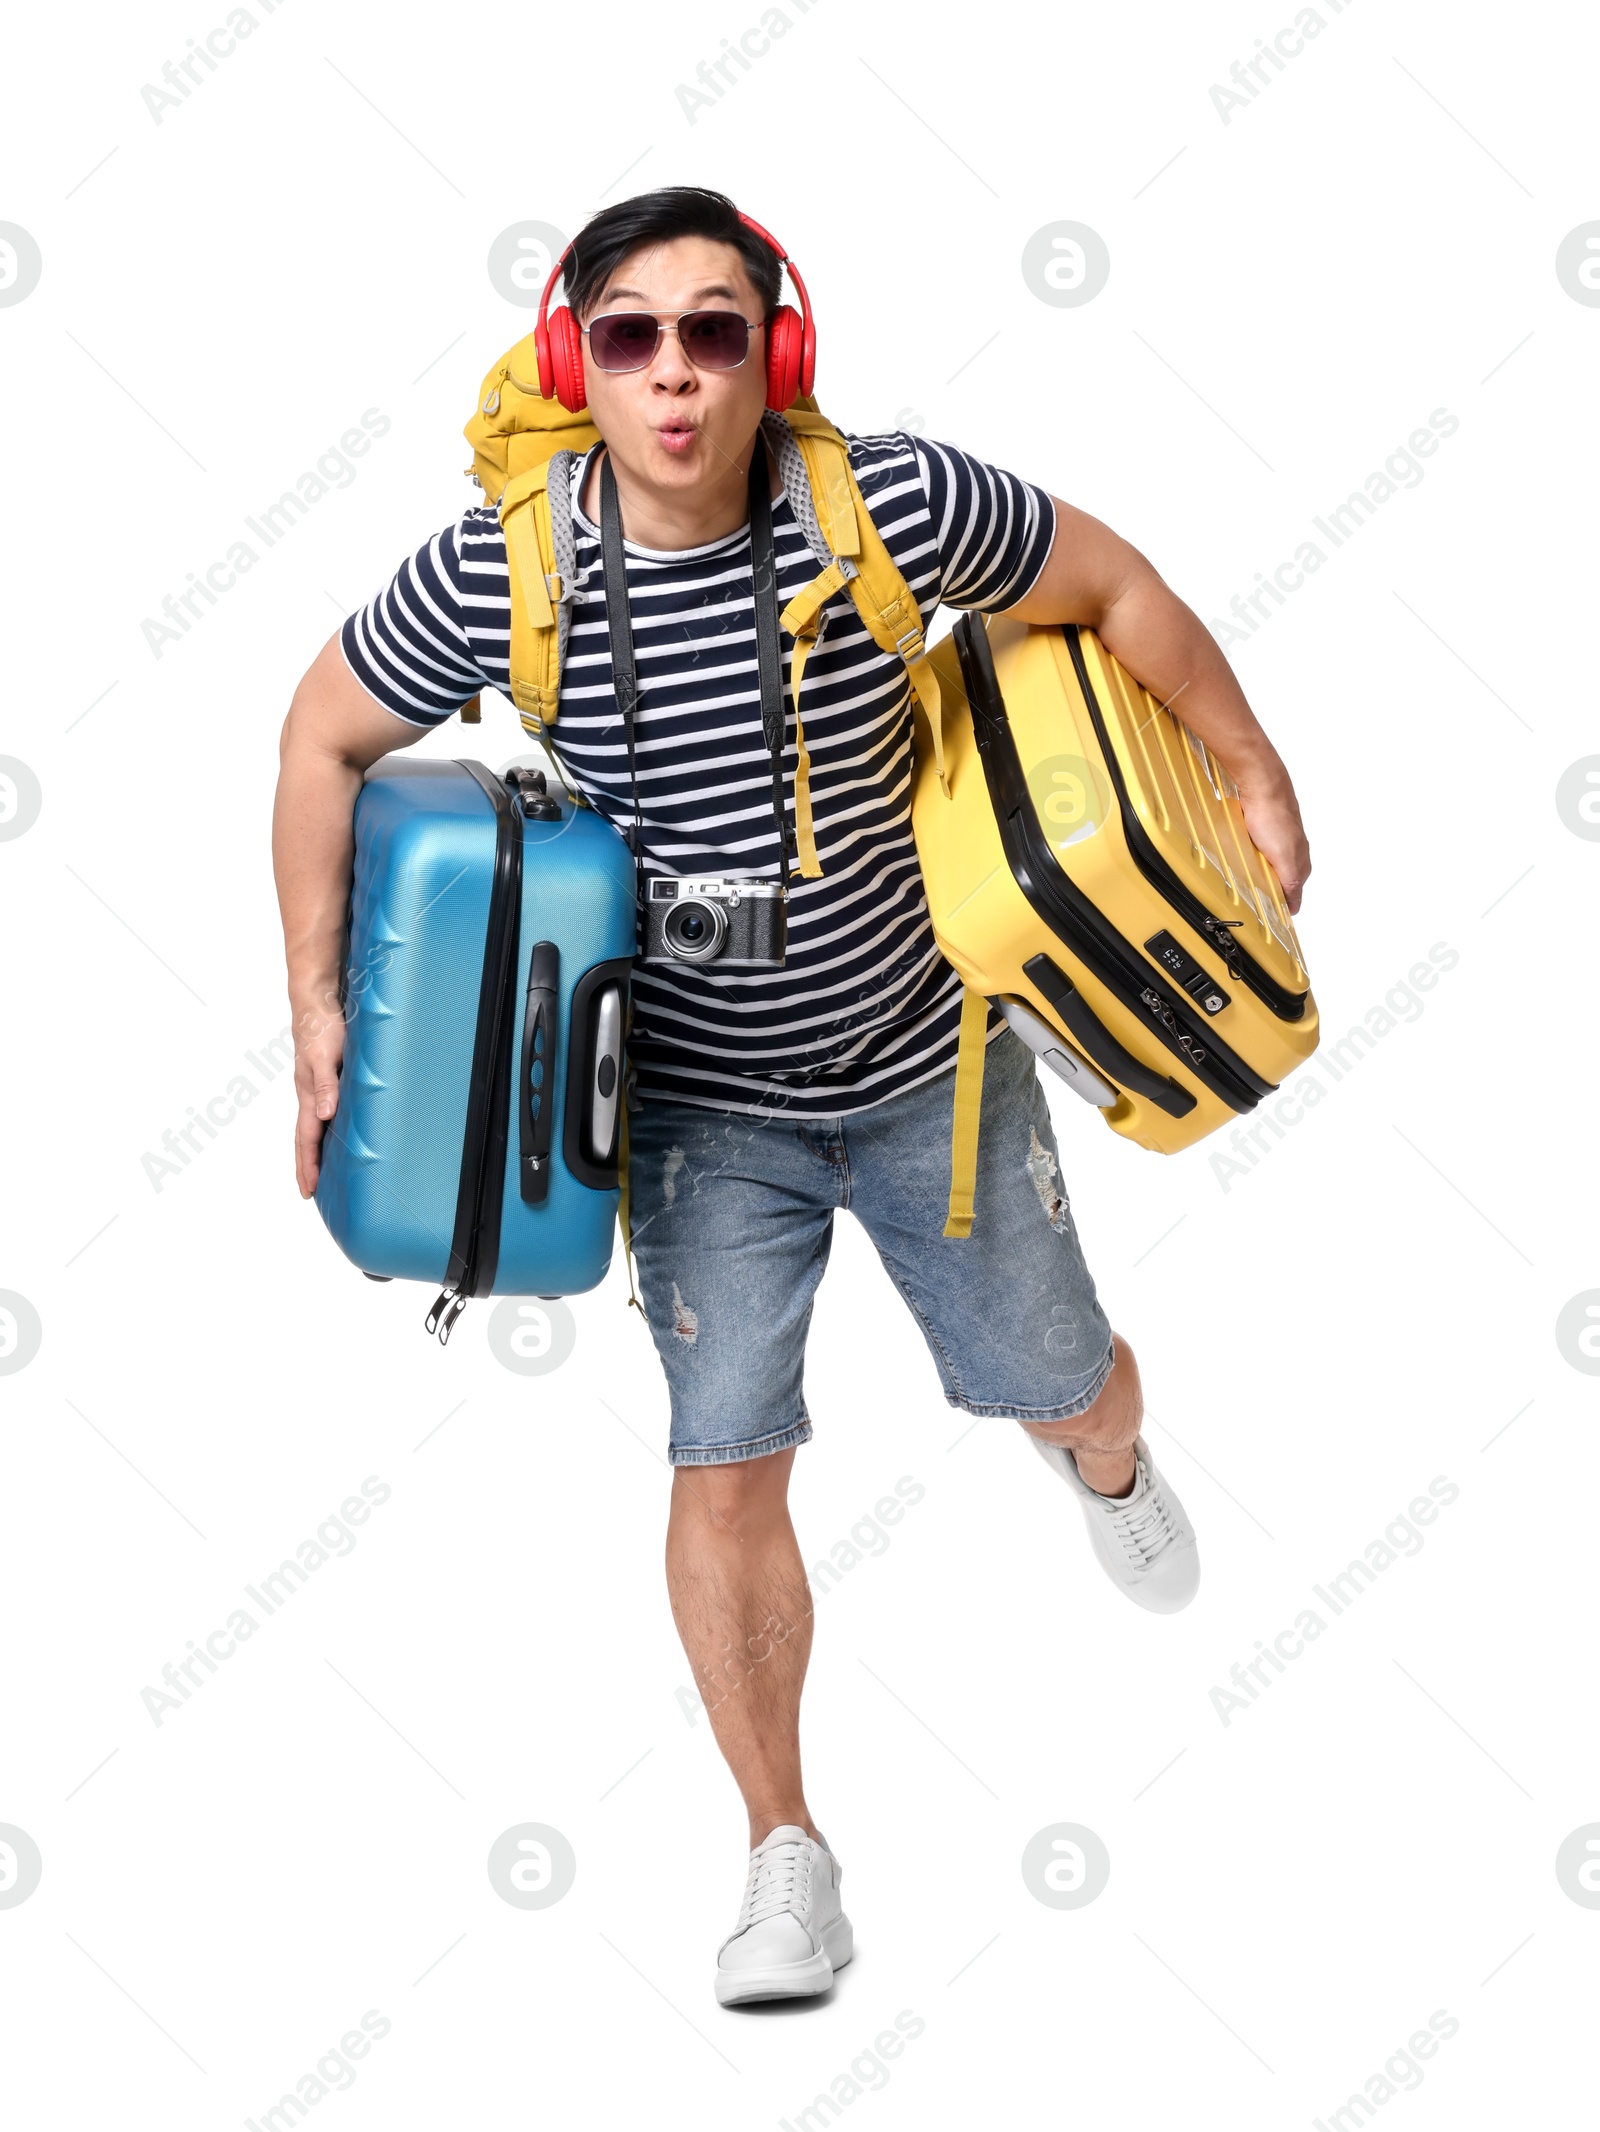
x: 671, y: 370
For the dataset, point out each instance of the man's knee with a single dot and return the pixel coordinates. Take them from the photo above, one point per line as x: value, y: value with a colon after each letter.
x: 736, y: 1490
x: 1112, y: 1422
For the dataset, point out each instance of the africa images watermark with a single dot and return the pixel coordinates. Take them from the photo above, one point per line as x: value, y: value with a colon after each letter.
x: 333, y: 470
x: 1250, y: 1141
x: 181, y: 76
x: 822, y: 1576
x: 332, y: 1537
x: 332, y: 2071
x: 717, y: 76
x: 1251, y: 76
x: 1338, y: 1595
x: 866, y: 2074
x: 1402, y: 469
x: 1401, y: 2072
x: 182, y: 1143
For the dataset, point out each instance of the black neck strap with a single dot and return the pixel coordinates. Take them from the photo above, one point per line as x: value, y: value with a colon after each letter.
x: 619, y: 622
x: 769, y: 657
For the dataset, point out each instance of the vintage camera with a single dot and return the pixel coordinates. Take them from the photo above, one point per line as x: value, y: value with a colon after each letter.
x: 713, y: 921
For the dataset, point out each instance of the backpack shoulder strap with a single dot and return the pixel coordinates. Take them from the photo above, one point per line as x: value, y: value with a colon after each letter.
x: 862, y: 563
x: 522, y: 450
x: 540, y: 556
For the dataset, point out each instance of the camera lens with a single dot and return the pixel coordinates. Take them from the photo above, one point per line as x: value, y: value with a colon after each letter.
x: 694, y: 931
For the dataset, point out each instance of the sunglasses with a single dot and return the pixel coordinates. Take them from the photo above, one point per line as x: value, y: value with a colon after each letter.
x: 628, y: 340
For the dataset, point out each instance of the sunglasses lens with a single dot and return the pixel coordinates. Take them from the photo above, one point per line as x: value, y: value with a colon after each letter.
x: 624, y: 340
x: 714, y: 340
x: 627, y: 340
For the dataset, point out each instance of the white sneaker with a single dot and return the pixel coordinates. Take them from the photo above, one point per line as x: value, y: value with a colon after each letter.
x: 792, y: 1933
x: 1145, y: 1543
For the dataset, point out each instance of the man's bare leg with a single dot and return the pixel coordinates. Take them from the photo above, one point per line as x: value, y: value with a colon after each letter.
x: 743, y: 1609
x: 1101, y: 1438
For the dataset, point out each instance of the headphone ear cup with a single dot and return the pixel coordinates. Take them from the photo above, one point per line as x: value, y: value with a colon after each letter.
x: 786, y: 353
x: 561, y: 361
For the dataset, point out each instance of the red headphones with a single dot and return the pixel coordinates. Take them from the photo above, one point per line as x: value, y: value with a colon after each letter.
x: 791, y: 342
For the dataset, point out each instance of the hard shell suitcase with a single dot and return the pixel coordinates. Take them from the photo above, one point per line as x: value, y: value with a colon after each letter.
x: 1091, y: 871
x: 491, y: 937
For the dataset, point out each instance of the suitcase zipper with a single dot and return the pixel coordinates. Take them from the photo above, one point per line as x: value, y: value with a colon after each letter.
x: 475, y: 1243
x: 1064, y: 906
x: 1216, y: 932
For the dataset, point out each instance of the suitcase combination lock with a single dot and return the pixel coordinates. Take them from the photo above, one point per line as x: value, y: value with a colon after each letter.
x: 1198, y: 983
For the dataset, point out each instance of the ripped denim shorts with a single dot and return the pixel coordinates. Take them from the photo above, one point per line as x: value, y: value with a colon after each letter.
x: 732, y: 1218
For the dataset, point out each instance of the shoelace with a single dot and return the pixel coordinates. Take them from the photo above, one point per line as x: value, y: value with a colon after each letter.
x: 1145, y: 1527
x: 779, y: 1881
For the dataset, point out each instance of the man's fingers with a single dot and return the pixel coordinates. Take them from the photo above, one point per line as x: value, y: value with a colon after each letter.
x: 307, y: 1149
x: 317, y: 1086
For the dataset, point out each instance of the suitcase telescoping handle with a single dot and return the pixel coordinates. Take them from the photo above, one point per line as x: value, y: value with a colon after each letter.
x: 1113, y: 1059
x: 536, y: 1080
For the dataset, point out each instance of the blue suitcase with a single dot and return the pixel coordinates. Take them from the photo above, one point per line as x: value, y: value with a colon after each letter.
x: 491, y: 936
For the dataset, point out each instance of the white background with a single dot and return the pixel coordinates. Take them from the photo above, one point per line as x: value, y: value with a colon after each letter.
x: 1371, y: 1305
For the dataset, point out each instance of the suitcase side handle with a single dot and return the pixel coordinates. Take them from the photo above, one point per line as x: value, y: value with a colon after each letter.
x: 536, y: 1085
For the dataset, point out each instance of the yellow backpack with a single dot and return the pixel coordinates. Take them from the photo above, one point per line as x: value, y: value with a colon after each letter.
x: 518, y: 440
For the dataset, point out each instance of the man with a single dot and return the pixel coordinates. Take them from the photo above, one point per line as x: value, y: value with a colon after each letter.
x: 771, y: 1097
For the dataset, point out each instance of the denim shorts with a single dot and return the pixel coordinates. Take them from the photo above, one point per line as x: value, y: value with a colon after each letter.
x: 732, y: 1219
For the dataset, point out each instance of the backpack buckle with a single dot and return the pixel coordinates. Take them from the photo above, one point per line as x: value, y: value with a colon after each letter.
x: 913, y: 638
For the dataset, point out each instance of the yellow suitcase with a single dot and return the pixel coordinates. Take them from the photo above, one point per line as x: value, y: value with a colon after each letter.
x: 1090, y: 871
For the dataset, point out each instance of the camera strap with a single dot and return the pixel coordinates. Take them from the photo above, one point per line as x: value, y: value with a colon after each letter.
x: 619, y: 624
x: 769, y: 657
x: 769, y: 654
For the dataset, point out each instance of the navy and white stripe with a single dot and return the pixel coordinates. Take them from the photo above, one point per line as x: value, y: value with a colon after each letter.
x: 865, y: 1004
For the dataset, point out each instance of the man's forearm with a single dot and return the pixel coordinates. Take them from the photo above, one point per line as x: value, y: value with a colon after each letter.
x: 1165, y: 645
x: 313, y: 849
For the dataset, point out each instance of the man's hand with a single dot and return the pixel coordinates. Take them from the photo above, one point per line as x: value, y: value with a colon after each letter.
x: 1272, y: 817
x: 317, y: 1055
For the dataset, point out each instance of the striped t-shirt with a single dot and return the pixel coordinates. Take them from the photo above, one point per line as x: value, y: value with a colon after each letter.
x: 864, y: 1005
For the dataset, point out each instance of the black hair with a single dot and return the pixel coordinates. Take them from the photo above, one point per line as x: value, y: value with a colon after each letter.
x: 656, y: 218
